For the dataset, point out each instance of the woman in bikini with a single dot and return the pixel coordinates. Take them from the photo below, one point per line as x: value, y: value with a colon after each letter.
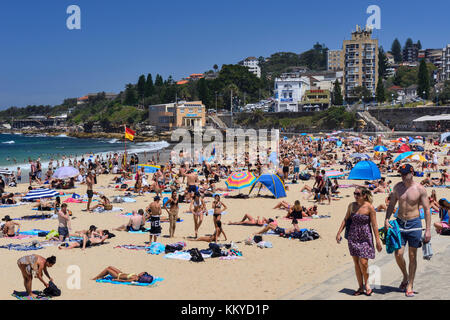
x: 434, y: 204
x: 218, y: 207
x: 118, y: 275
x: 172, y: 204
x: 197, y: 208
x: 35, y: 264
x: 248, y: 220
x: 105, y: 204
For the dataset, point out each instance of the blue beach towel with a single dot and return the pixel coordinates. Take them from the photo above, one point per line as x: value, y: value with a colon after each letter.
x: 24, y: 296
x: 393, y: 237
x: 109, y: 279
x: 21, y: 247
x: 33, y: 232
x: 156, y: 248
x: 140, y: 231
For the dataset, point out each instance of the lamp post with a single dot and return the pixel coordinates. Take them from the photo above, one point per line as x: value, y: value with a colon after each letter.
x: 437, y: 97
x: 392, y: 99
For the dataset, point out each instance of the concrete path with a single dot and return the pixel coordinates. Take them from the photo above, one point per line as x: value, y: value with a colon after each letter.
x: 432, y: 278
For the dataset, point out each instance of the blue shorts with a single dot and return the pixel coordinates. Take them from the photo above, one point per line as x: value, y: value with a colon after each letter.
x: 411, y: 232
x: 296, y: 169
x: 192, y: 188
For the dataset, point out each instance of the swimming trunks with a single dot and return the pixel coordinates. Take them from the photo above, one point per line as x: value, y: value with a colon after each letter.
x: 155, y: 227
x: 192, y: 188
x: 90, y: 193
x: 411, y: 232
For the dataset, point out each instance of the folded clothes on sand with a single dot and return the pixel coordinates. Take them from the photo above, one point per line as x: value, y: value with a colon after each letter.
x: 110, y: 279
x: 25, y: 296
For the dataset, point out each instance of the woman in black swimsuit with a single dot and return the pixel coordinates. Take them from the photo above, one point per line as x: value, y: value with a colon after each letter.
x: 218, y: 207
x: 296, y: 212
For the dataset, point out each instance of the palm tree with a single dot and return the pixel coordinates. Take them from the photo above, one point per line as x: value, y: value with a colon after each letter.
x: 215, y: 67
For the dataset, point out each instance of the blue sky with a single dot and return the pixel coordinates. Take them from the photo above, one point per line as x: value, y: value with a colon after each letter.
x: 42, y: 62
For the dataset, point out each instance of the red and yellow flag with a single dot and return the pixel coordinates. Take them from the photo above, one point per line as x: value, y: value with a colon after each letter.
x: 129, y: 134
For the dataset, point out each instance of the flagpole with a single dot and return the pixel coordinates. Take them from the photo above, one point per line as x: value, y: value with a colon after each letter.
x: 125, y: 154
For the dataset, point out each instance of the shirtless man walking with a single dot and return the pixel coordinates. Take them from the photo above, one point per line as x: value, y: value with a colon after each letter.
x: 192, y: 182
x: 154, y: 213
x: 410, y: 195
x: 89, y: 191
x: 286, y: 163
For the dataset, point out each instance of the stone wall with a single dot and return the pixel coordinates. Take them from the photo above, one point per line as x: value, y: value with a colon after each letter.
x: 402, y: 118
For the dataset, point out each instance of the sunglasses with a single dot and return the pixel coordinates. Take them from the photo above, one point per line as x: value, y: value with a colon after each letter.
x: 357, y: 193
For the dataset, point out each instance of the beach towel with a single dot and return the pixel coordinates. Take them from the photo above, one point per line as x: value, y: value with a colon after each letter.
x: 156, y: 248
x: 179, y: 220
x: 72, y: 200
x: 178, y: 255
x: 21, y: 247
x: 302, y: 219
x: 140, y: 231
x: 231, y: 258
x: 101, y: 210
x: 24, y: 296
x: 38, y: 217
x: 109, y: 279
x: 132, y: 247
x: 33, y: 232
x: 20, y: 236
x: 210, y: 212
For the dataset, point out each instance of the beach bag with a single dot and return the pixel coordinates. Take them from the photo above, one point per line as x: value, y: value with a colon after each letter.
x: 304, y: 176
x: 196, y: 256
x: 445, y: 232
x: 257, y: 239
x: 124, y: 186
x: 52, y: 290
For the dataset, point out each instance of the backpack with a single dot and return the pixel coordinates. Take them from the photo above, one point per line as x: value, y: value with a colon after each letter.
x: 52, y: 290
x: 196, y: 256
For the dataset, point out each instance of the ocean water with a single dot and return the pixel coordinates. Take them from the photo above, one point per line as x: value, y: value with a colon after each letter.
x: 22, y: 147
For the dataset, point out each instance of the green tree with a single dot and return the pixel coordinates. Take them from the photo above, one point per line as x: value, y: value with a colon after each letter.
x: 149, y: 86
x: 141, y: 87
x: 159, y: 81
x: 419, y: 45
x: 338, y: 100
x: 381, y: 96
x: 316, y: 58
x: 130, y: 95
x: 382, y: 63
x: 424, y: 80
x: 362, y: 93
x: 215, y: 67
x: 396, y: 51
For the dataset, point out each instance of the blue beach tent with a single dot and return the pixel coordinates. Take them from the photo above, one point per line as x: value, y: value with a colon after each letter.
x: 273, y: 183
x: 365, y: 170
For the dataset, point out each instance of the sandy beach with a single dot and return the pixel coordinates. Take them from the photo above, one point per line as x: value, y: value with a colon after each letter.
x: 269, y: 273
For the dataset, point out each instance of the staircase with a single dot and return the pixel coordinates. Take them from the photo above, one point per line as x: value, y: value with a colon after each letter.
x: 217, y: 122
x: 373, y: 122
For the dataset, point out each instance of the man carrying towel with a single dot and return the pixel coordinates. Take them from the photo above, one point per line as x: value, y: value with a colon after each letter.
x: 410, y: 195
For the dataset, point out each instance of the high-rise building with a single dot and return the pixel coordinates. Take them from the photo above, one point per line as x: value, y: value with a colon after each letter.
x: 360, y: 62
x: 445, y: 66
x: 411, y: 53
x: 335, y: 60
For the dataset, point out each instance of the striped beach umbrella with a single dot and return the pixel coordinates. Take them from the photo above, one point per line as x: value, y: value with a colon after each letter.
x: 240, y: 180
x: 403, y: 156
x: 5, y: 171
x: 334, y: 174
x: 40, y: 194
x: 417, y: 157
x: 380, y: 148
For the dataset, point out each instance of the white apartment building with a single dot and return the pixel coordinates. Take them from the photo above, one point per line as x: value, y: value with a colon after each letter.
x: 289, y: 91
x: 445, y: 67
x: 252, y: 64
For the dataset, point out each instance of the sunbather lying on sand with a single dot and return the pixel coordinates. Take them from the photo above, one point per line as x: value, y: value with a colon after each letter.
x: 215, y: 236
x: 135, y: 223
x: 85, y: 243
x: 118, y: 275
x: 248, y: 220
x: 281, y: 231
